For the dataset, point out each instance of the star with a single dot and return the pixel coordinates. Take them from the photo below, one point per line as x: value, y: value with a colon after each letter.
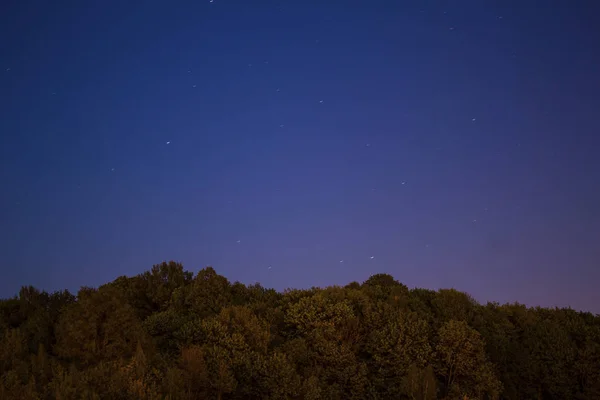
x: 193, y: 86
x: 281, y: 126
x: 168, y: 142
x: 372, y: 257
x: 341, y: 261
x: 321, y: 101
x: 238, y: 241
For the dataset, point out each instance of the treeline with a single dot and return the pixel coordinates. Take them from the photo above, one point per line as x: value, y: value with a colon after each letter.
x: 166, y: 334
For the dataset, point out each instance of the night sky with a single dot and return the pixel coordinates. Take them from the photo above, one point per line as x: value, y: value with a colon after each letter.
x: 304, y: 143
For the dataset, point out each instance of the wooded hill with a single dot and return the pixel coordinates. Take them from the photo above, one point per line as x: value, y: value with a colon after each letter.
x: 166, y: 334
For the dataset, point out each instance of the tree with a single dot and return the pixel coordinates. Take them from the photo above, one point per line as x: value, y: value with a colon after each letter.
x: 420, y: 383
x: 100, y: 326
x: 220, y: 374
x: 206, y: 295
x: 402, y: 343
x: 462, y: 363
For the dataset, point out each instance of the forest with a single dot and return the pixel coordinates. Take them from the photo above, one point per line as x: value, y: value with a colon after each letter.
x: 167, y: 334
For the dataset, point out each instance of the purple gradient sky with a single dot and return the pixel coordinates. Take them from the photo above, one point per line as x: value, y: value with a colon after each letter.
x: 488, y: 113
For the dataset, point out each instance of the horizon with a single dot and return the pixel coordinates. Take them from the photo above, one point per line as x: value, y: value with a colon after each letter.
x: 481, y: 302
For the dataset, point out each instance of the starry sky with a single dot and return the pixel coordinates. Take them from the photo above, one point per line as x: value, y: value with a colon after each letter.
x: 304, y: 143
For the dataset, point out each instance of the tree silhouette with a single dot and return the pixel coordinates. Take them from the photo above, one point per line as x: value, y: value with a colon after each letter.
x: 167, y: 334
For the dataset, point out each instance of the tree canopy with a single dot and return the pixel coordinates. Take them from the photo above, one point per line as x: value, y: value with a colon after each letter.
x: 167, y: 334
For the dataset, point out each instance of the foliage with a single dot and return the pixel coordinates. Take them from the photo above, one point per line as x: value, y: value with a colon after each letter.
x: 167, y: 334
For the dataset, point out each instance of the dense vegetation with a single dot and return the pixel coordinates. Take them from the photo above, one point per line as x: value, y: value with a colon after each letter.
x: 166, y: 334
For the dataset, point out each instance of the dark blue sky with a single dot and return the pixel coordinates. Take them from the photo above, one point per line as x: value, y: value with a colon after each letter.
x: 455, y: 144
